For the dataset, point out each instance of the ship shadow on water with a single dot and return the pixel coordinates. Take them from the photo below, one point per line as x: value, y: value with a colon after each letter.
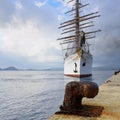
x: 86, y: 79
x: 69, y: 79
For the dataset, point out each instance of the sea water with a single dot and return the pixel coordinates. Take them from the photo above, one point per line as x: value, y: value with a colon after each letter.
x: 36, y: 95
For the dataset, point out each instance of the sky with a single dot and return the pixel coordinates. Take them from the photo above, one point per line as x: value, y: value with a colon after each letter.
x: 29, y: 32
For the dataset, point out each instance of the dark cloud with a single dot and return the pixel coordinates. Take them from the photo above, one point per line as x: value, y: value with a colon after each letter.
x: 107, y: 49
x: 7, y: 9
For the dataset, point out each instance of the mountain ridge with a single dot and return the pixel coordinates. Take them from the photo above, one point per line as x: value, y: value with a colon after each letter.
x: 9, y: 68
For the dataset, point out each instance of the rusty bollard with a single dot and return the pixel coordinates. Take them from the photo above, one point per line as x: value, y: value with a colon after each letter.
x: 75, y: 91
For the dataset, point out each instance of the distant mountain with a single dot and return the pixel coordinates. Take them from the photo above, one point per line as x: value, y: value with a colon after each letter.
x: 9, y: 68
x: 12, y: 68
x: 105, y: 68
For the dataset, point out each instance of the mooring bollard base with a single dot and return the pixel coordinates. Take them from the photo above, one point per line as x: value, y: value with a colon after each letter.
x: 85, y: 110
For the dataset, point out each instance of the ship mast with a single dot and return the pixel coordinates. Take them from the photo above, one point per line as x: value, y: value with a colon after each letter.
x: 75, y: 28
x: 77, y: 23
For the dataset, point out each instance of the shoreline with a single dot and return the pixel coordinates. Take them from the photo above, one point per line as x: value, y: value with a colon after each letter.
x: 107, y: 98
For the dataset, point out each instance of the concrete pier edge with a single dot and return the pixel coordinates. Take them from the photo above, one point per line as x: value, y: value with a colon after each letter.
x: 108, y: 98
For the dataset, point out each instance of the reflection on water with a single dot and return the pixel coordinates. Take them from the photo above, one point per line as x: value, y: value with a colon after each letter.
x: 36, y: 95
x: 98, y: 77
x: 69, y: 79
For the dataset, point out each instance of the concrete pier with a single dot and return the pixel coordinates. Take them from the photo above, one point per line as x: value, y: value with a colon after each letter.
x: 105, y: 106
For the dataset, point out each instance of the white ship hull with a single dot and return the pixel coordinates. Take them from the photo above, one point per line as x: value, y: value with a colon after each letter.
x: 78, y: 65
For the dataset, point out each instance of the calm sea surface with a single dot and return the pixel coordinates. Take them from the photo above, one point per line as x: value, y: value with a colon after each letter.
x: 36, y: 95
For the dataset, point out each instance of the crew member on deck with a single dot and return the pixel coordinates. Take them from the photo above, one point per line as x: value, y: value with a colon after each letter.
x: 82, y: 38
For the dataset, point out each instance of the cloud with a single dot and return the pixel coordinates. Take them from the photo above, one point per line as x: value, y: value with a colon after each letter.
x: 26, y: 39
x: 18, y: 5
x: 39, y: 4
x: 7, y: 9
x: 31, y: 34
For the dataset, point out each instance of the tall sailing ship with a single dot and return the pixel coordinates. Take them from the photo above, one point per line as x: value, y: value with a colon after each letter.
x: 76, y: 31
